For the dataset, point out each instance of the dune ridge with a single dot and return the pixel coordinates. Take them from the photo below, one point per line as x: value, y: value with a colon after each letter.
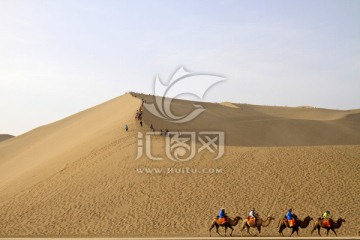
x: 78, y: 177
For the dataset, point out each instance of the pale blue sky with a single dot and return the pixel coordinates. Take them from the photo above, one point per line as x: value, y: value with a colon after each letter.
x: 58, y: 57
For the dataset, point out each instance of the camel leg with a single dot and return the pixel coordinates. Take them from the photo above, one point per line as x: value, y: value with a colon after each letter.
x: 327, y: 232
x: 241, y: 229
x: 259, y: 230
x: 217, y: 229
x: 225, y: 230
x: 332, y: 229
x: 281, y: 229
x: 312, y: 230
x: 295, y: 229
x: 211, y: 227
x: 232, y: 229
x: 292, y: 231
x: 248, y: 229
x: 318, y: 228
x: 281, y: 233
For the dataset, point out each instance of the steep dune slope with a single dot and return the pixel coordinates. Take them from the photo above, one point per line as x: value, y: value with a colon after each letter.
x: 44, y: 151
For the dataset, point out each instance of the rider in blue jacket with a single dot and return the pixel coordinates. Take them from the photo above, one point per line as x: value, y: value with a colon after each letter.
x: 289, y: 215
x: 222, y: 213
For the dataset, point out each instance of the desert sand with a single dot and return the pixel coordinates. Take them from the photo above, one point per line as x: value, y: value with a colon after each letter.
x: 78, y: 177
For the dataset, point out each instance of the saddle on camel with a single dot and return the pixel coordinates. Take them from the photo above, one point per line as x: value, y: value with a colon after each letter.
x: 325, y: 222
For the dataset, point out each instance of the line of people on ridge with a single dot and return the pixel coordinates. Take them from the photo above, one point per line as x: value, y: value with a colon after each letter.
x: 138, y: 115
x: 290, y: 216
x: 139, y: 118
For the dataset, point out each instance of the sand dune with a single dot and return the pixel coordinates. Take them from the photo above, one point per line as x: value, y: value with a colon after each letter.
x: 78, y: 177
x: 229, y: 104
x: 251, y: 125
x: 39, y: 153
x: 4, y: 137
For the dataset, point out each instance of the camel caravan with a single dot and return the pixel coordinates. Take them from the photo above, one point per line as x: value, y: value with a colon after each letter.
x: 290, y: 220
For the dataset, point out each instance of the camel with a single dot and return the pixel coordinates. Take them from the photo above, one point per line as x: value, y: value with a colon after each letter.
x: 333, y: 225
x: 283, y: 223
x: 229, y: 224
x: 258, y: 224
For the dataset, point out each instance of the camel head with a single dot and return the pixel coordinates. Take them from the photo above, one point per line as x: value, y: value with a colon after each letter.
x: 271, y: 217
x: 308, y: 218
x: 340, y: 220
x: 238, y: 218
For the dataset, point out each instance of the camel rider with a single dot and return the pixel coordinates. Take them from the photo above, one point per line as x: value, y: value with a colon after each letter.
x: 290, y: 215
x: 326, y: 215
x: 252, y: 213
x: 326, y: 218
x: 222, y: 215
